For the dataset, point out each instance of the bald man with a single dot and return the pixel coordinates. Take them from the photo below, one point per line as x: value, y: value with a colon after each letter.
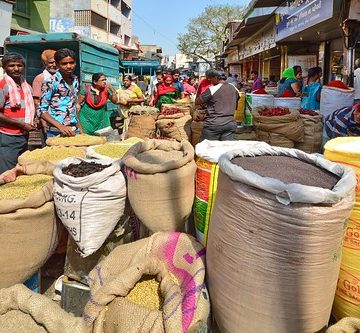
x: 357, y: 80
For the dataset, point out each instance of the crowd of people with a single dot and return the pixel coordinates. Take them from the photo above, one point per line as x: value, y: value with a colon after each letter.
x: 57, y: 104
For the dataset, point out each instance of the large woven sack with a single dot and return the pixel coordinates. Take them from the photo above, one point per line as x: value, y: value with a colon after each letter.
x: 345, y: 325
x: 274, y: 139
x: 290, y: 126
x: 259, y: 100
x: 178, y: 262
x: 288, y: 102
x: 90, y: 206
x: 28, y: 231
x: 196, y: 129
x: 274, y: 249
x: 23, y: 311
x: 161, y: 186
x: 142, y: 126
x: 313, y: 131
x: 333, y: 99
x: 176, y: 127
x: 346, y: 304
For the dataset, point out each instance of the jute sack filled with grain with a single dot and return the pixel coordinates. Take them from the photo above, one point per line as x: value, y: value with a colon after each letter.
x: 289, y: 125
x: 161, y: 183
x: 28, y: 229
x: 313, y: 132
x: 179, y: 302
x: 79, y: 140
x: 345, y: 325
x: 196, y: 129
x: 52, y: 154
x: 274, y: 139
x: 176, y: 126
x: 275, y: 239
x: 23, y: 311
x: 142, y: 126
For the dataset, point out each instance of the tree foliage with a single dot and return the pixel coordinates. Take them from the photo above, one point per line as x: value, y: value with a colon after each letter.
x: 206, y: 33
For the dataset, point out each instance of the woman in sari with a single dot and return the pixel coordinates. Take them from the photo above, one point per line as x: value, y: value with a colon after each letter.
x: 93, y: 114
x: 312, y: 90
x: 166, y: 92
x: 289, y: 85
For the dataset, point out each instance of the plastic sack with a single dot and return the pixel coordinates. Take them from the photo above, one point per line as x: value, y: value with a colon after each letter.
x: 333, y: 99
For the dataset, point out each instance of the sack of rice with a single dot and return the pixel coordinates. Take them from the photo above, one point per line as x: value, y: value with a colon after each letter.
x: 111, y: 150
x: 153, y: 285
x: 79, y: 140
x: 334, y: 98
x: 52, y: 154
x: 90, y: 200
x: 275, y: 239
x: 28, y: 226
x: 313, y: 131
x: 284, y: 122
x: 160, y: 176
x: 206, y: 181
x: 23, y: 311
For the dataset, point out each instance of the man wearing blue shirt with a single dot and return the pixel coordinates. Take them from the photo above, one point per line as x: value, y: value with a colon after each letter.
x: 176, y: 75
x: 59, y: 101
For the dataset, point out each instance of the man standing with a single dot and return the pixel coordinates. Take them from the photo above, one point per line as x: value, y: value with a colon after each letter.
x: 257, y: 84
x: 17, y: 111
x: 221, y: 101
x: 58, y: 103
x: 357, y: 80
x: 176, y: 75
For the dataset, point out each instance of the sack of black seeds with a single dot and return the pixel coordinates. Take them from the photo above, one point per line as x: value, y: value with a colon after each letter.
x: 90, y: 199
x: 275, y: 239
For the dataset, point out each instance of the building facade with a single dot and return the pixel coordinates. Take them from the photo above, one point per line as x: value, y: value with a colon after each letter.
x: 108, y: 21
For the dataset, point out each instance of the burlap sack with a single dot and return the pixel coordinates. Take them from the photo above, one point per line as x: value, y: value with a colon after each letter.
x: 178, y: 128
x: 345, y: 325
x: 28, y: 230
x: 290, y: 126
x: 161, y: 192
x: 274, y: 139
x: 22, y: 311
x: 196, y: 129
x: 142, y: 126
x: 186, y: 302
x: 274, y: 249
x: 313, y: 132
x: 85, y: 141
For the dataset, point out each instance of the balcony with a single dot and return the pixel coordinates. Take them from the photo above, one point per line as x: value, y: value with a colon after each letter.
x: 114, y: 14
x: 100, y: 7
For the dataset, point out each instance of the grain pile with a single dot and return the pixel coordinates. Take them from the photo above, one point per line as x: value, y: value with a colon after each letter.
x: 146, y: 293
x: 77, y: 140
x: 116, y: 149
x: 23, y: 186
x: 52, y: 154
x: 288, y: 170
x: 83, y: 168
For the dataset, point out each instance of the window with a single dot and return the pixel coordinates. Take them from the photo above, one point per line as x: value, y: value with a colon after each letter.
x: 115, y: 29
x: 98, y: 21
x: 82, y: 17
x: 21, y: 6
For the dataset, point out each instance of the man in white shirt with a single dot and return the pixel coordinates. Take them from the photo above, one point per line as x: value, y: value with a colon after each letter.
x: 357, y: 80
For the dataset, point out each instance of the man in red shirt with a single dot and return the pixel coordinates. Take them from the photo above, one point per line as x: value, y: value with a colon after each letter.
x: 17, y: 111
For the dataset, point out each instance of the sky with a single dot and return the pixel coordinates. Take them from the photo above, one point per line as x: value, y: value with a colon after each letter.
x: 159, y: 21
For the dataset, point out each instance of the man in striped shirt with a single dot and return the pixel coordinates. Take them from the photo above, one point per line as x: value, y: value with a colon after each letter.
x: 343, y: 122
x: 17, y: 111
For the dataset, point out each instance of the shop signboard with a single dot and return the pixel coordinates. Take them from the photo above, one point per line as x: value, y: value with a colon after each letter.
x: 297, y: 15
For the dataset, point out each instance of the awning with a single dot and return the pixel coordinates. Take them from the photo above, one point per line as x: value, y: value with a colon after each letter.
x: 17, y: 27
x: 124, y: 48
x: 265, y: 3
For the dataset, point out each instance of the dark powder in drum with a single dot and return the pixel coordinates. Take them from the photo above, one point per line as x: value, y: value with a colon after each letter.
x: 83, y: 169
x: 288, y: 170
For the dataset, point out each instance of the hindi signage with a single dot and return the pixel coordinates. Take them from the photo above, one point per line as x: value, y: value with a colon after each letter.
x: 298, y: 15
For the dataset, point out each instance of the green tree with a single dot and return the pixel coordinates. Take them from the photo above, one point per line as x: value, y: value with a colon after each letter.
x: 206, y: 33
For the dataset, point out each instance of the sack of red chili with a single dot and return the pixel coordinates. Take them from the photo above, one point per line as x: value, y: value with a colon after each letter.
x: 313, y: 127
x: 338, y: 84
x: 334, y: 96
x: 281, y: 126
x: 261, y: 91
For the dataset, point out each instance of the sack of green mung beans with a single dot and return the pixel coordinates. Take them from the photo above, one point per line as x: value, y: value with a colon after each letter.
x: 275, y: 239
x: 23, y: 311
x: 28, y: 226
x: 153, y: 285
x: 161, y: 183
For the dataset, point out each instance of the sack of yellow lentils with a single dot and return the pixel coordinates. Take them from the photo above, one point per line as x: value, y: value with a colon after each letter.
x: 79, y: 140
x: 153, y: 285
x: 21, y: 310
x: 27, y: 222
